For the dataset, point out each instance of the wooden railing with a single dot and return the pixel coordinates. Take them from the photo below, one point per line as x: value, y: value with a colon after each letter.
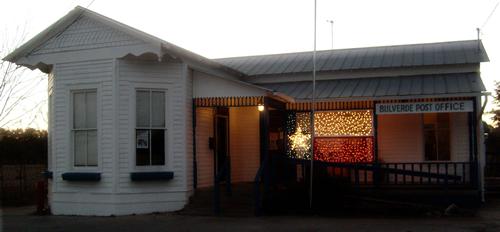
x: 444, y: 174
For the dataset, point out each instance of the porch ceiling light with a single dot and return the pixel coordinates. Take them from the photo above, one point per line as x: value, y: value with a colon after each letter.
x: 260, y: 107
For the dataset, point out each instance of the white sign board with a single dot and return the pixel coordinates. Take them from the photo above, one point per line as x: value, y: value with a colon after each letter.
x: 424, y: 107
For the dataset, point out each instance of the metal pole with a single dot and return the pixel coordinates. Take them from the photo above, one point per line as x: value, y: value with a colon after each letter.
x: 331, y: 24
x: 312, y: 111
x: 478, y: 39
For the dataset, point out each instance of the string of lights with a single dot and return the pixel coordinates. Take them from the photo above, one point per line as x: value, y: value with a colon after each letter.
x: 340, y: 136
x: 344, y: 150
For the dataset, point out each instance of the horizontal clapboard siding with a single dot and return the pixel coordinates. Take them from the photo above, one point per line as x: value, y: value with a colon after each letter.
x: 459, y: 137
x: 135, y: 74
x: 204, y: 155
x: 187, y: 76
x: 401, y: 138
x: 244, y: 143
x: 96, y: 74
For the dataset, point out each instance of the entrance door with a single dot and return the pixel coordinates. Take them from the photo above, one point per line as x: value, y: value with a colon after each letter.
x: 222, y: 141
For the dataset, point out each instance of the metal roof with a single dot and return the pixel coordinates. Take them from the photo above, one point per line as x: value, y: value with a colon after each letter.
x: 379, y: 87
x: 444, y: 53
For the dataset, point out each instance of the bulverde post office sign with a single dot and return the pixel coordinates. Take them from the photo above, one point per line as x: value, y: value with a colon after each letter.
x: 424, y: 107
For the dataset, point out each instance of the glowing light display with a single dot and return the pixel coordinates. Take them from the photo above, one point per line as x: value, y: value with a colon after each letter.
x: 344, y: 150
x: 343, y: 123
x: 301, y: 144
x: 340, y: 136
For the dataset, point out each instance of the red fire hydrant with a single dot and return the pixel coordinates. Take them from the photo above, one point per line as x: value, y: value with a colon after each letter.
x: 41, y: 197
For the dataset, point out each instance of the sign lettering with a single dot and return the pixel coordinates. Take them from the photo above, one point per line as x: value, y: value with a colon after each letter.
x: 424, y: 107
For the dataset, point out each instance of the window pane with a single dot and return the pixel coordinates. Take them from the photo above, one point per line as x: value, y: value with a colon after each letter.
x: 80, y: 146
x: 92, y: 148
x: 158, y: 108
x: 91, y: 110
x: 79, y: 110
x: 142, y: 147
x: 158, y: 147
x: 142, y: 108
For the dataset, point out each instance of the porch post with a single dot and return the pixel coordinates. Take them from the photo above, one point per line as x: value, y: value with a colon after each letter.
x: 376, y: 170
x: 477, y: 165
x: 195, y: 162
x: 473, y: 159
x: 264, y: 145
x: 216, y: 193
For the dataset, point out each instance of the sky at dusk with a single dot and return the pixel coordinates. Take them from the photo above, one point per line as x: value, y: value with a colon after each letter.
x: 227, y: 28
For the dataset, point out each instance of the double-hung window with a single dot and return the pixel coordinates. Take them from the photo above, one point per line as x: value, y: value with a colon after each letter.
x: 84, y: 131
x: 151, y: 127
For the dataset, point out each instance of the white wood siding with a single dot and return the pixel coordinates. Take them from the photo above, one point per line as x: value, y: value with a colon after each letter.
x: 135, y: 74
x: 244, y: 143
x: 400, y: 138
x: 205, y: 85
x: 204, y: 155
x: 459, y: 137
x: 68, y: 76
x: 86, y: 33
x: 187, y: 76
x: 73, y: 76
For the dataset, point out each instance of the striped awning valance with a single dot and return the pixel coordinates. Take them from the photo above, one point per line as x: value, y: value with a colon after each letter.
x: 305, y: 106
x: 229, y: 101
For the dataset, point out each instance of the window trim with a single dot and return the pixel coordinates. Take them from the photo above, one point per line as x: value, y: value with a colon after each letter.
x: 133, y: 127
x: 75, y: 89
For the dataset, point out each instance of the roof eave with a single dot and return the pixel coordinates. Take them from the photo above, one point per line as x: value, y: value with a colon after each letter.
x: 402, y: 97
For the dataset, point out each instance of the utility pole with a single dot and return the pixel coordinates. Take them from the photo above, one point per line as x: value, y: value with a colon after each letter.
x: 313, y: 109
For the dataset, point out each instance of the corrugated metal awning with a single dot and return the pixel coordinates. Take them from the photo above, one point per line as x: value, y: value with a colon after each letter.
x: 383, y: 87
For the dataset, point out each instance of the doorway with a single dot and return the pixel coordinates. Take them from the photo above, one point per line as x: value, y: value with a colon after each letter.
x: 222, y: 164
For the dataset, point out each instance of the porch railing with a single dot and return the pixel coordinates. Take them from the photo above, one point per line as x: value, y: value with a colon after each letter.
x: 444, y: 174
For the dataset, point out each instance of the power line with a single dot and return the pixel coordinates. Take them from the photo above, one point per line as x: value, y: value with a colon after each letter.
x: 489, y: 16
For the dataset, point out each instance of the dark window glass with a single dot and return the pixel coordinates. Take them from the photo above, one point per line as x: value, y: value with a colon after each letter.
x: 158, y: 147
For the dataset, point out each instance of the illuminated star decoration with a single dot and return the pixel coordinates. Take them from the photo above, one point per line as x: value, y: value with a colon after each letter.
x: 300, y: 143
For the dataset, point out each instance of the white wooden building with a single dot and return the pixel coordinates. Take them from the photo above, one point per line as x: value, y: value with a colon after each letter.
x: 137, y: 124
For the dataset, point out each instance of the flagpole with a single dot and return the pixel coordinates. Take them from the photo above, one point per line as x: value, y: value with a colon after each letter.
x: 313, y: 106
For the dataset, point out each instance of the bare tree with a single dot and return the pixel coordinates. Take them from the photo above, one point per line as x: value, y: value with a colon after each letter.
x: 21, y: 101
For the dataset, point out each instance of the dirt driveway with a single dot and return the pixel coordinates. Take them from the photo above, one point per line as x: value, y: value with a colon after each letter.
x: 19, y: 219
